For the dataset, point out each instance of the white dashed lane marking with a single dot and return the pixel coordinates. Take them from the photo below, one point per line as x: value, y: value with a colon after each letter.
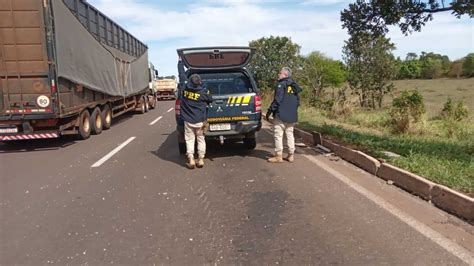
x: 156, y: 120
x: 112, y: 153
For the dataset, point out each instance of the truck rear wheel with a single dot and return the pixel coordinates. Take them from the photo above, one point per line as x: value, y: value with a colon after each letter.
x: 96, y: 121
x: 142, y: 108
x: 152, y: 102
x: 106, y: 117
x: 147, y: 103
x: 84, y: 125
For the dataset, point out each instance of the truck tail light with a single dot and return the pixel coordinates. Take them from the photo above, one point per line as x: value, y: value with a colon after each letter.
x: 52, y: 122
x: 53, y: 86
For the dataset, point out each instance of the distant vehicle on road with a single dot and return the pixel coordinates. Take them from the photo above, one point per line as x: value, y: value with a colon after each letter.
x: 235, y: 113
x: 166, y: 87
x: 66, y: 69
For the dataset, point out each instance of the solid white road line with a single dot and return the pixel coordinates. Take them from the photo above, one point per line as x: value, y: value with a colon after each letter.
x: 171, y: 109
x: 434, y: 236
x: 114, y: 151
x: 156, y: 120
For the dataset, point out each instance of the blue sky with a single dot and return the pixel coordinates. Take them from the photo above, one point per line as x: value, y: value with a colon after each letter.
x: 167, y: 25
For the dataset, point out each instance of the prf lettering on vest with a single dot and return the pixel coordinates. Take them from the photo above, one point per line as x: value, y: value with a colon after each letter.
x: 290, y: 89
x: 192, y: 95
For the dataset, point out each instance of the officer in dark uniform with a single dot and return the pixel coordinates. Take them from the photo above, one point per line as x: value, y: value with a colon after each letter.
x: 284, y: 109
x: 194, y: 101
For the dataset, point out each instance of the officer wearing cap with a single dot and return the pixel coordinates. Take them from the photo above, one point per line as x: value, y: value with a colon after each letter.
x: 194, y: 101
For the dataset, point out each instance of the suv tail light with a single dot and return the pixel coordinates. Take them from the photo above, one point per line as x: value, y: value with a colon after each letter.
x: 258, y: 104
x: 177, y: 107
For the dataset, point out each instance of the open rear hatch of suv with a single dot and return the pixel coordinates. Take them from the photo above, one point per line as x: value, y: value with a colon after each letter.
x: 214, y: 58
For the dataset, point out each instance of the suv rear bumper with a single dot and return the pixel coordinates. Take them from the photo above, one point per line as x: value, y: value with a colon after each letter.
x: 238, y: 130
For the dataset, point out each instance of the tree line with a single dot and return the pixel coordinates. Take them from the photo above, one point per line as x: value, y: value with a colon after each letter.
x: 432, y: 66
x: 368, y: 66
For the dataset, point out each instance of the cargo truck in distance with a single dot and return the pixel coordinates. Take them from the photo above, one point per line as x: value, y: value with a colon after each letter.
x: 66, y: 68
x: 166, y: 87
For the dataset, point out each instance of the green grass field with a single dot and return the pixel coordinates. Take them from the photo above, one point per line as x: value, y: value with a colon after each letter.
x: 440, y: 151
x: 437, y: 91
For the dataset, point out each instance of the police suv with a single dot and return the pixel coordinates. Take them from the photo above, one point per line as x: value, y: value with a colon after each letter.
x: 235, y: 113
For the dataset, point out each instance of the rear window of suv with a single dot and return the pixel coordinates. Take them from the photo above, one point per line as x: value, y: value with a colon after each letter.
x: 226, y: 83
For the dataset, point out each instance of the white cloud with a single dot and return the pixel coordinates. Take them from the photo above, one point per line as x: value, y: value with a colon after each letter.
x: 236, y: 22
x: 236, y: 2
x: 324, y: 2
x: 445, y: 35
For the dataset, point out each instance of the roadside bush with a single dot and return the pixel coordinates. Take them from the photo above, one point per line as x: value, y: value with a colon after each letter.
x: 340, y: 105
x: 322, y: 104
x: 379, y: 120
x: 407, y: 110
x: 455, y: 113
x: 448, y: 109
x: 461, y: 112
x: 456, y: 129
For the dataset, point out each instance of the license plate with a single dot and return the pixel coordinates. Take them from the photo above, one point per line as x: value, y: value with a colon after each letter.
x: 9, y: 130
x: 219, y: 127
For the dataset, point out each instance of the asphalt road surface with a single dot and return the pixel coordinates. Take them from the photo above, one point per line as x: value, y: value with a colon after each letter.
x: 125, y: 197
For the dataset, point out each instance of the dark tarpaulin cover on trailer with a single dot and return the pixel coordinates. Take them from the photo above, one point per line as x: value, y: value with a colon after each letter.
x: 83, y: 60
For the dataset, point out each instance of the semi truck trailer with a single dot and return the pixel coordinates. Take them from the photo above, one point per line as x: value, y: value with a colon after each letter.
x: 66, y: 68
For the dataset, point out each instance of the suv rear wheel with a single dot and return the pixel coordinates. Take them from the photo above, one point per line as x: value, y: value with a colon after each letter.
x: 182, y: 148
x: 250, y: 143
x: 181, y: 143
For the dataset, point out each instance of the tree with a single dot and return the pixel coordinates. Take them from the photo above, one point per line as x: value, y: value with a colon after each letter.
x: 270, y: 56
x: 434, y: 65
x: 456, y: 69
x: 440, y: 59
x: 468, y: 65
x: 411, y: 56
x: 409, y: 15
x: 431, y: 68
x: 320, y: 72
x: 371, y: 67
x: 410, y: 69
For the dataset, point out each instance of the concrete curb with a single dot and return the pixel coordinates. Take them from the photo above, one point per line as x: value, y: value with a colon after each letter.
x: 453, y: 202
x: 317, y: 138
x: 305, y: 136
x: 341, y: 151
x: 410, y: 182
x: 441, y: 196
x: 358, y: 158
x: 366, y: 162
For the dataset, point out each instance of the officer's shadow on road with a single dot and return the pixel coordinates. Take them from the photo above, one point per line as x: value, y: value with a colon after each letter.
x: 168, y: 150
x: 232, y: 149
